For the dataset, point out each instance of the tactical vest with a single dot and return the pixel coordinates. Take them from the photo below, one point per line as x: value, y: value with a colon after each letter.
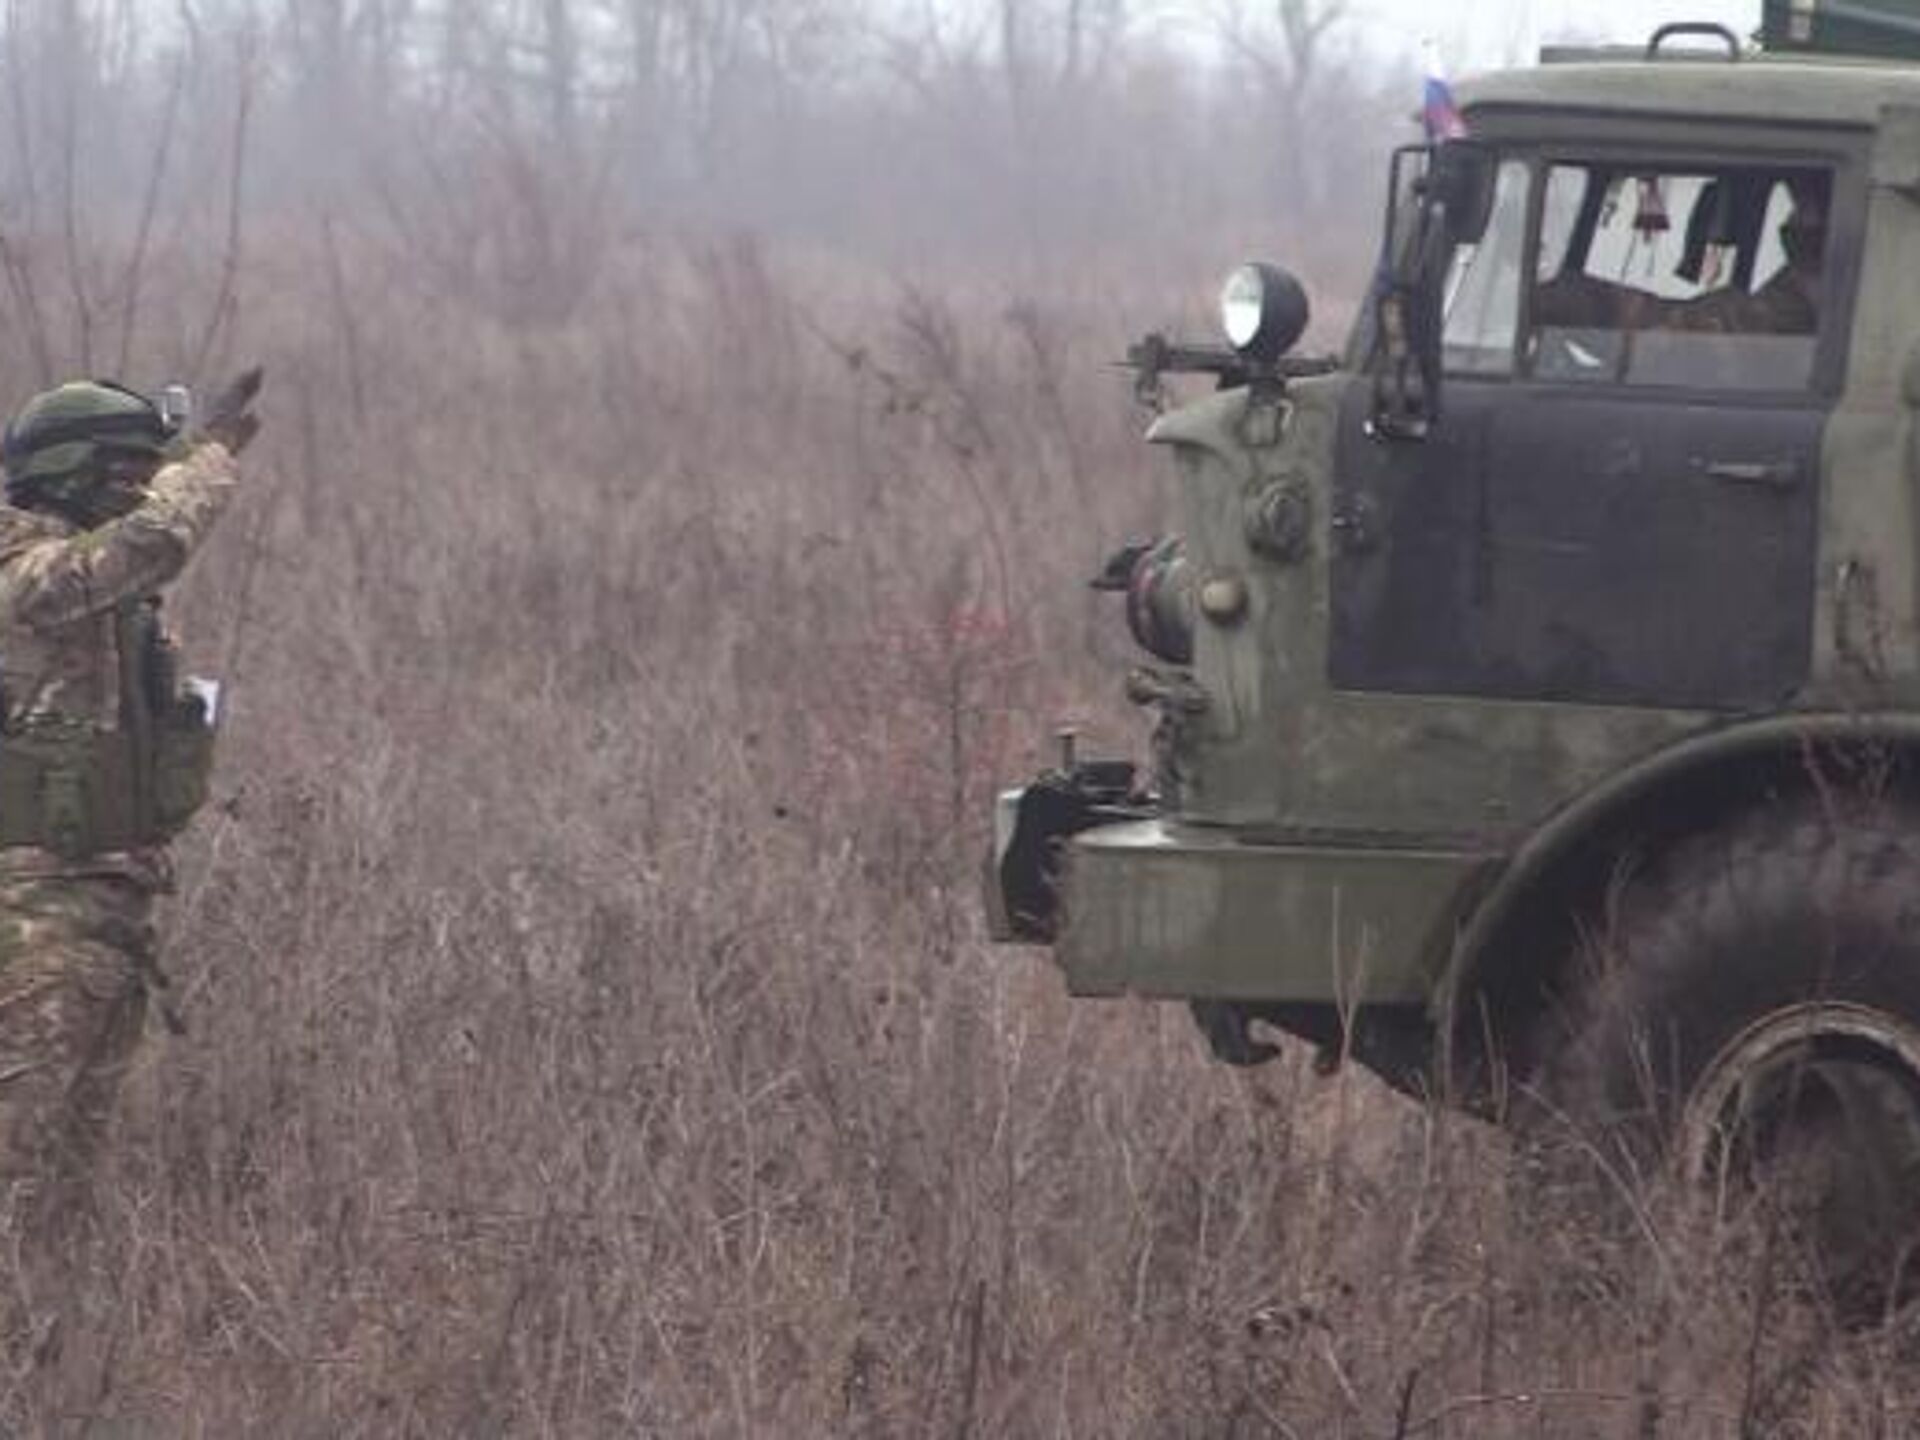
x: 77, y: 789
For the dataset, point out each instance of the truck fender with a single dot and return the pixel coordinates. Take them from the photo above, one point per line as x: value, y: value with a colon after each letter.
x: 1504, y: 956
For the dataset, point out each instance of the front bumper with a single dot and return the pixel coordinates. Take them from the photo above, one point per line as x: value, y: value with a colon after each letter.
x: 1147, y: 906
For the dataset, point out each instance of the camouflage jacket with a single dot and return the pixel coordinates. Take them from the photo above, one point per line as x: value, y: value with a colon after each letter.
x: 58, y: 589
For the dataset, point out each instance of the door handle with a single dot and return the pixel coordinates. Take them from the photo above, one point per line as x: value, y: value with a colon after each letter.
x: 1767, y: 474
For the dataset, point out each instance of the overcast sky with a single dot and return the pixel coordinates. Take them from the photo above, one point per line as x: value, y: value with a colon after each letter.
x: 1486, y: 33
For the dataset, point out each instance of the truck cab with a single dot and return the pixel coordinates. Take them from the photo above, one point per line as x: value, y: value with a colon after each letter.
x: 1586, y: 571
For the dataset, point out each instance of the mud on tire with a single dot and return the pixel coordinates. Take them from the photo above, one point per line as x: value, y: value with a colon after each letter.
x: 1749, y: 1009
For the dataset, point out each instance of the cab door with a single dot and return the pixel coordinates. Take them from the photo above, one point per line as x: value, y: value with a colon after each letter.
x: 1619, y: 502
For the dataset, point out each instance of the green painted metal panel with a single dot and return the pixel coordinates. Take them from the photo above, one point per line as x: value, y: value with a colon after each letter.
x: 1157, y: 910
x: 1885, y: 29
x: 1770, y: 90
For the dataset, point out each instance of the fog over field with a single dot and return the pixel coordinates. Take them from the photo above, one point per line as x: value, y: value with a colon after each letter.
x: 690, y: 427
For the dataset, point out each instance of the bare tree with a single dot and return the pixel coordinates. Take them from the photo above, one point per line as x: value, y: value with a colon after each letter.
x: 1286, y: 51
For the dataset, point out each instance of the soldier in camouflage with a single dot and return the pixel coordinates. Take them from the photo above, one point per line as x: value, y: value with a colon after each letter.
x: 108, y: 499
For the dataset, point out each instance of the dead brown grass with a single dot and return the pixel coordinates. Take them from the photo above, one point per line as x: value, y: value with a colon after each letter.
x: 590, y: 1032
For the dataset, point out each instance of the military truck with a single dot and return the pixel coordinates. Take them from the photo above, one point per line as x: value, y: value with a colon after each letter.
x: 1535, y: 686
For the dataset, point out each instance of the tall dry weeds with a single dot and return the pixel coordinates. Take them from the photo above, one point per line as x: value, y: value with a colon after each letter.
x: 589, y: 1027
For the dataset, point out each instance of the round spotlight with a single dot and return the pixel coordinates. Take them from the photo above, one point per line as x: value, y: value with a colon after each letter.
x: 1264, y: 311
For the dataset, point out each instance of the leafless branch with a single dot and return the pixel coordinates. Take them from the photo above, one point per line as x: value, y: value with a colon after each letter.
x: 226, y: 294
x: 135, y: 269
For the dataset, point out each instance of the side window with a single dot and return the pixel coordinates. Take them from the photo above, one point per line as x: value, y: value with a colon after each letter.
x: 1483, y: 285
x: 1697, y: 278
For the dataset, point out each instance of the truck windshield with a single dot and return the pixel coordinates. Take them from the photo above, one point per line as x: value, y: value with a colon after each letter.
x: 1483, y: 285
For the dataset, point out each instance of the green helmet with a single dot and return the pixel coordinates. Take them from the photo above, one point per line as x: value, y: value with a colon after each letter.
x: 61, y: 450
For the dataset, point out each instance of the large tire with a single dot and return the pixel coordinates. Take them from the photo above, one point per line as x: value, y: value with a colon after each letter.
x: 1750, y: 1012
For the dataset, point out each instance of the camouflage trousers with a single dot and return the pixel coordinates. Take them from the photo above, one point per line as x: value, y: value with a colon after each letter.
x: 76, y: 953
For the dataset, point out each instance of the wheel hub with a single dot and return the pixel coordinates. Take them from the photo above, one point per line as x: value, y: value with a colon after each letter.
x: 1817, y: 1108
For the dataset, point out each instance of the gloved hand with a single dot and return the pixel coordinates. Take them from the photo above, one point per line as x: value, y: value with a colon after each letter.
x: 230, y: 418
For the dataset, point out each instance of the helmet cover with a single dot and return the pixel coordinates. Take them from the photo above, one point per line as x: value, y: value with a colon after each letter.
x: 59, y: 451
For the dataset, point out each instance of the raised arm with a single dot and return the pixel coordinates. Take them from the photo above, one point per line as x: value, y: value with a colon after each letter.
x: 59, y: 579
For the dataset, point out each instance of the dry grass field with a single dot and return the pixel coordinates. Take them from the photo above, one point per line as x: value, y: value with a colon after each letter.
x: 625, y: 626
x: 588, y: 1028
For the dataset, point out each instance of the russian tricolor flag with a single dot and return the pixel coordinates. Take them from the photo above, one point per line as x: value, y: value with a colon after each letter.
x: 1440, y: 115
